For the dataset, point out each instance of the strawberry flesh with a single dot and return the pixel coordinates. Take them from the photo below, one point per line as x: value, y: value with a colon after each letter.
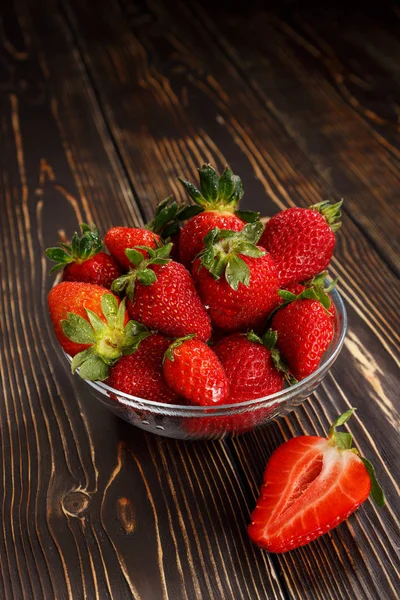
x: 309, y: 487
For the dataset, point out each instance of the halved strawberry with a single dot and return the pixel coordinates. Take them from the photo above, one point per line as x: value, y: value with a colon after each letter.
x: 83, y: 259
x: 311, y: 484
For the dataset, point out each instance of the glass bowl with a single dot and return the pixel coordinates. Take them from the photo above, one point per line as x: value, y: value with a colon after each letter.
x: 199, y: 422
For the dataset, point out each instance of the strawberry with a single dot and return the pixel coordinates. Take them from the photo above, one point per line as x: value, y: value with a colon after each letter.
x: 216, y: 203
x: 193, y: 370
x: 305, y: 330
x: 165, y: 224
x: 302, y: 240
x: 83, y: 260
x: 236, y: 278
x: 141, y: 373
x: 316, y: 290
x: 311, y: 484
x: 249, y: 364
x: 93, y: 326
x: 162, y: 294
x: 118, y: 239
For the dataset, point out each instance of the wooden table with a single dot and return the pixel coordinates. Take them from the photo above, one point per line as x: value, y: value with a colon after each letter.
x: 103, y: 104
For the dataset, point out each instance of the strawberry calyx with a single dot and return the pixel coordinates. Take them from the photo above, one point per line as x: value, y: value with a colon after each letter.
x: 269, y: 340
x: 169, y: 353
x: 331, y: 213
x: 140, y: 270
x: 316, y: 289
x: 216, y: 192
x: 344, y: 442
x: 108, y: 340
x: 222, y: 249
x: 80, y: 249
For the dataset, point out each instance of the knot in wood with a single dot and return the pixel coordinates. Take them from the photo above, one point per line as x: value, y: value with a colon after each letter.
x: 75, y: 504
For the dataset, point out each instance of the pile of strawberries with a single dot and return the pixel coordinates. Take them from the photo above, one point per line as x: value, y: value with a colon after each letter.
x: 204, y: 305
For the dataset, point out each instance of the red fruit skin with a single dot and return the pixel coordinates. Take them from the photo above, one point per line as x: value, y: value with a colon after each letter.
x: 74, y: 297
x: 309, y: 487
x: 248, y: 307
x: 118, y: 239
x: 192, y: 234
x: 305, y: 331
x: 249, y: 368
x: 141, y: 373
x: 251, y: 375
x: 301, y: 243
x: 196, y: 374
x: 101, y: 269
x: 171, y: 304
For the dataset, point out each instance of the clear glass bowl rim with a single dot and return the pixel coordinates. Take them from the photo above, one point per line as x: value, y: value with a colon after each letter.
x: 177, y: 410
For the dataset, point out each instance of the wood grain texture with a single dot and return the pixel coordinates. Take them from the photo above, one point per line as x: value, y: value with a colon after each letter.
x: 102, y: 106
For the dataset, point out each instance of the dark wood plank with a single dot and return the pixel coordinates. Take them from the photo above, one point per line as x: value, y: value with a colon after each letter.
x: 90, y: 506
x: 198, y: 90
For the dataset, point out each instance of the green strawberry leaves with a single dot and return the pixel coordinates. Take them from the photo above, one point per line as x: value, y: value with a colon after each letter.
x: 221, y: 254
x: 109, y: 339
x: 169, y: 353
x: 331, y: 213
x: 377, y: 493
x: 140, y: 270
x: 269, y: 340
x: 79, y: 250
x: 216, y: 193
x: 316, y: 289
x: 344, y: 441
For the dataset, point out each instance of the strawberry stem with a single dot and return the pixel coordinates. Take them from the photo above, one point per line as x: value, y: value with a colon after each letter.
x: 140, y: 270
x: 80, y: 249
x: 216, y: 193
x: 221, y: 252
x: 108, y: 340
x: 344, y: 441
x: 331, y: 213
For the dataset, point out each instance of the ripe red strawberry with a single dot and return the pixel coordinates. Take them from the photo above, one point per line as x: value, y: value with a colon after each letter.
x: 165, y: 225
x: 302, y: 240
x: 162, y: 295
x: 141, y: 373
x: 83, y: 260
x: 118, y: 239
x: 249, y: 363
x: 249, y: 366
x: 218, y: 197
x: 305, y: 330
x: 193, y: 370
x: 311, y: 484
x: 236, y: 279
x: 93, y: 326
x: 316, y: 289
